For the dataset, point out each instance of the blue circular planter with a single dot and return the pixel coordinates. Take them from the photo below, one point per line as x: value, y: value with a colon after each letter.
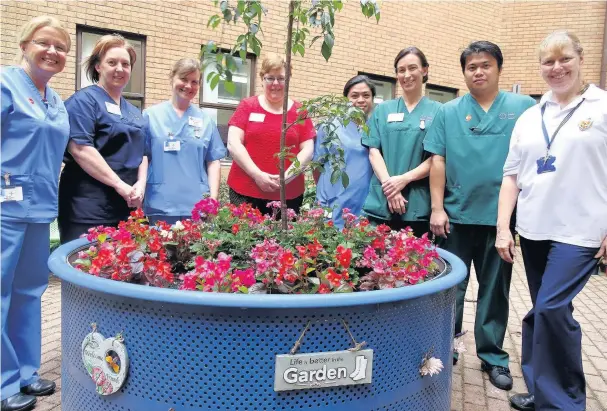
x: 192, y: 351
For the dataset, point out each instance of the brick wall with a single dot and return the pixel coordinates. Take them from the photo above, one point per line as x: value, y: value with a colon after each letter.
x: 176, y: 29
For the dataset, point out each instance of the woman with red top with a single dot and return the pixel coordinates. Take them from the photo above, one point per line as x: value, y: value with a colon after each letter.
x: 254, y: 141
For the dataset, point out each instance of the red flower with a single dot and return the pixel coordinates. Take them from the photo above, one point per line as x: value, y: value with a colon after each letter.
x: 343, y: 256
x: 235, y: 229
x: 324, y: 289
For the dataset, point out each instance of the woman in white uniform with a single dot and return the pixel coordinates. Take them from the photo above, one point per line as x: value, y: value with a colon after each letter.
x: 557, y: 170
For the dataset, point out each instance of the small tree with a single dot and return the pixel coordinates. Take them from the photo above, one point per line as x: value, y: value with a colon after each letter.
x: 328, y: 111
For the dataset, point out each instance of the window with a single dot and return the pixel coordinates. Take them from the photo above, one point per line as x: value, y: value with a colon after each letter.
x: 384, y: 87
x: 440, y: 93
x: 86, y: 38
x: 219, y: 104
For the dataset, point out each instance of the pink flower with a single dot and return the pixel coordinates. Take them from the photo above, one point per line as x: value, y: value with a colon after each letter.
x: 107, y: 387
x: 273, y: 204
x: 98, y: 376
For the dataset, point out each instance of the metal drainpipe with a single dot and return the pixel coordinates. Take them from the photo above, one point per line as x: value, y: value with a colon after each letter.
x: 604, y: 62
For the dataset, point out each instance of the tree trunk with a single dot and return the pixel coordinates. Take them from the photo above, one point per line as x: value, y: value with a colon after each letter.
x: 285, y: 108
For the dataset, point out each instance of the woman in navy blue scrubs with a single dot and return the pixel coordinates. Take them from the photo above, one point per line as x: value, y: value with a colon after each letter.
x: 105, y: 170
x: 35, y: 130
x: 184, y: 149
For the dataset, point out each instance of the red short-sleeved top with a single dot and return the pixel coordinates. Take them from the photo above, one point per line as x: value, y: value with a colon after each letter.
x: 262, y: 141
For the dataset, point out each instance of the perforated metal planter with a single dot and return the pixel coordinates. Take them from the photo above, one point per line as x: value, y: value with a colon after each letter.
x: 193, y: 351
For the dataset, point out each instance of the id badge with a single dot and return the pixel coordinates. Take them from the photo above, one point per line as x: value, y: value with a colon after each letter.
x: 172, y: 145
x: 546, y: 165
x: 113, y: 108
x: 195, y: 122
x: 394, y: 117
x: 257, y: 117
x: 11, y: 194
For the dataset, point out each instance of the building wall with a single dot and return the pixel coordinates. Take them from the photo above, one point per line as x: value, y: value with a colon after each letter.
x: 176, y: 29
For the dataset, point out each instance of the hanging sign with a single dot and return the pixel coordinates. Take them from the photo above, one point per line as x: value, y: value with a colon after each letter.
x: 106, y: 360
x: 323, y: 369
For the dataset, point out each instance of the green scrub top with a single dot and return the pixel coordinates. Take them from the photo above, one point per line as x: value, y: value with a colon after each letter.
x: 475, y: 151
x: 399, y: 136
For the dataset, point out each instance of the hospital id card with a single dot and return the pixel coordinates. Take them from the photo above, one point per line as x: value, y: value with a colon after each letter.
x: 11, y: 194
x: 393, y: 117
x: 172, y: 145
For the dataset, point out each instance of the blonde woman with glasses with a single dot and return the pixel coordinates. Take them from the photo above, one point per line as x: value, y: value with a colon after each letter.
x: 35, y: 130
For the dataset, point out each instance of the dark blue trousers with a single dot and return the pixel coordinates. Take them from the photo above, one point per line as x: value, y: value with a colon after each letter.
x: 552, y: 339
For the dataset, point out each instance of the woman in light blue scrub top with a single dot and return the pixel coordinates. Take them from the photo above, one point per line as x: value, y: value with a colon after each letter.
x: 361, y: 92
x: 35, y: 131
x: 184, y: 150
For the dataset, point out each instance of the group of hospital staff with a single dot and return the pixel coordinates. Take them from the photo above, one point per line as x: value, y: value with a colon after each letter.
x: 435, y: 168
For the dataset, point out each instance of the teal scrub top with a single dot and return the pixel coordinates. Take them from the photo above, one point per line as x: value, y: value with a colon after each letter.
x: 178, y: 149
x: 399, y: 136
x: 475, y: 151
x: 358, y: 169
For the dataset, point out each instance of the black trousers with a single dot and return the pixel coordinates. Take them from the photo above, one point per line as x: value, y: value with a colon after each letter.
x: 262, y: 204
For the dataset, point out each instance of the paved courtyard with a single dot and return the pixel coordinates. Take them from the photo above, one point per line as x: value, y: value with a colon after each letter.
x: 471, y: 388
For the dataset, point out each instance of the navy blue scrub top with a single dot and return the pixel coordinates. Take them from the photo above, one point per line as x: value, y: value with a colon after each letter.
x: 119, y: 138
x: 34, y: 135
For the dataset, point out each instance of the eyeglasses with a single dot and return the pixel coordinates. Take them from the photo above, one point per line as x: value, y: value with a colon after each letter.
x: 271, y: 80
x: 59, y: 48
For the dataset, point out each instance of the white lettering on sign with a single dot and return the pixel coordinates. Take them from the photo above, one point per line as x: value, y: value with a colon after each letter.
x: 315, y: 370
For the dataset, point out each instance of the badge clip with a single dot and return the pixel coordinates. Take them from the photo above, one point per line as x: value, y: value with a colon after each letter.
x: 7, y: 179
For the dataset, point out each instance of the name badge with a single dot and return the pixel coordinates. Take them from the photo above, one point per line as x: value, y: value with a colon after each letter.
x: 11, y: 194
x: 195, y: 121
x: 257, y: 117
x: 172, y: 145
x: 113, y: 108
x: 393, y: 117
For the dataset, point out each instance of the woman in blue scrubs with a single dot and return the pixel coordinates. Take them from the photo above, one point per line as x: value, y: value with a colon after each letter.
x: 35, y: 131
x: 361, y: 92
x: 184, y: 149
x: 105, y: 170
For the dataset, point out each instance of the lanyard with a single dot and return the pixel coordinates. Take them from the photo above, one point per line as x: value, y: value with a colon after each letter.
x: 549, y: 141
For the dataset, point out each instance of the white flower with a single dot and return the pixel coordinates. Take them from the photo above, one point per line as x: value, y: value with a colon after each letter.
x: 177, y: 226
x: 459, y: 346
x: 431, y: 366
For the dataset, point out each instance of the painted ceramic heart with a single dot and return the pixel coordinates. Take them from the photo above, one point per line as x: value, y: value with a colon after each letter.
x: 106, y: 361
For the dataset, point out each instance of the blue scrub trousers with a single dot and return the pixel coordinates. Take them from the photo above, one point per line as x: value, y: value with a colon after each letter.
x: 552, y: 338
x: 25, y: 251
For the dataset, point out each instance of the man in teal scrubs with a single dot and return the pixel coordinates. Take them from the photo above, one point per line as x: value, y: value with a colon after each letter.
x: 469, y: 142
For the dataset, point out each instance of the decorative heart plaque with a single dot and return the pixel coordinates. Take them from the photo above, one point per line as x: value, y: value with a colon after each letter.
x: 106, y: 361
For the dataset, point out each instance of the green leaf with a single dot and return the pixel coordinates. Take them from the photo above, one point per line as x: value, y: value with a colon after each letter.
x: 102, y: 237
x: 325, y: 50
x: 214, y: 82
x: 214, y: 21
x: 254, y: 28
x: 330, y: 40
x: 335, y: 175
x: 243, y: 289
x: 345, y: 180
x: 230, y: 87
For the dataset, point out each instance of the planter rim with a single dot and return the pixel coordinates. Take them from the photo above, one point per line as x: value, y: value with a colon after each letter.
x: 59, y: 266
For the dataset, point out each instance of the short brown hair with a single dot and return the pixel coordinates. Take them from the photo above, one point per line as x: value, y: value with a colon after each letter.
x: 105, y: 43
x: 184, y: 67
x: 27, y: 32
x: 274, y: 62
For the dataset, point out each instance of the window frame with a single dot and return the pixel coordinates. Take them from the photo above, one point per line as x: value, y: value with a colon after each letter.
x: 380, y: 77
x: 83, y: 28
x: 438, y: 87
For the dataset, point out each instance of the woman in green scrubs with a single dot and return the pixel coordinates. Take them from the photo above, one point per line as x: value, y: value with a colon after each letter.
x: 399, y: 194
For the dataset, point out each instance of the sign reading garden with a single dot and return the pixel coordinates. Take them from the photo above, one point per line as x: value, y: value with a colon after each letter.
x: 325, y: 369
